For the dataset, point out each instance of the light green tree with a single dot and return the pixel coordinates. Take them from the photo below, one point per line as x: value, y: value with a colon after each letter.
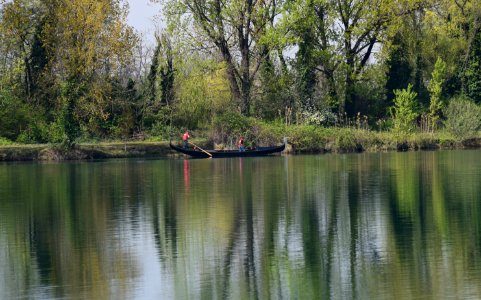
x: 404, y: 111
x: 435, y: 88
x: 238, y: 31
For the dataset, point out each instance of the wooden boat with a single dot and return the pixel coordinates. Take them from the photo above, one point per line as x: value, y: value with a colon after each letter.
x: 259, y: 151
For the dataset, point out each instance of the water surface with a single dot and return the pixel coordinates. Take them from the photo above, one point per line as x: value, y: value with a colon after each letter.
x: 356, y: 226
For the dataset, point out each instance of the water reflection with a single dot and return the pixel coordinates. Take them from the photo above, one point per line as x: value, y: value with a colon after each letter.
x: 369, y: 226
x: 186, y: 176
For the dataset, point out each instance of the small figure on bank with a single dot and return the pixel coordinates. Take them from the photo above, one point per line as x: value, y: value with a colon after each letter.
x: 185, y: 138
x: 241, y: 144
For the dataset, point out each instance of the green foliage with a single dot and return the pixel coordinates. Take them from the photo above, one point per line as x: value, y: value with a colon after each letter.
x: 5, y: 142
x: 161, y: 75
x: 371, y: 92
x: 200, y: 93
x: 346, y: 141
x: 435, y: 88
x: 20, y: 121
x: 71, y: 91
x: 473, y: 71
x: 323, y: 116
x: 307, y: 137
x: 398, y: 65
x: 268, y: 133
x: 404, y: 111
x: 64, y: 79
x: 13, y: 114
x: 229, y: 126
x: 463, y: 117
x: 161, y: 123
x: 276, y: 95
x: 306, y: 62
x: 214, y: 27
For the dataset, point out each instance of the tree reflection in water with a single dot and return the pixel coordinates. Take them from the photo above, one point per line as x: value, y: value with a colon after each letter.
x: 377, y: 226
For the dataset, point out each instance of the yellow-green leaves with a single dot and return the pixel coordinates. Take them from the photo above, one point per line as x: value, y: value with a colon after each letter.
x: 435, y: 88
x: 88, y: 34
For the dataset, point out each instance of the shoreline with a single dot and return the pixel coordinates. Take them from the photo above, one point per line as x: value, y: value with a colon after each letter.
x: 143, y: 149
x: 84, y: 151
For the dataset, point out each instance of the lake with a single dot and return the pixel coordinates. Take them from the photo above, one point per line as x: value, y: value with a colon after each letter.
x: 334, y: 226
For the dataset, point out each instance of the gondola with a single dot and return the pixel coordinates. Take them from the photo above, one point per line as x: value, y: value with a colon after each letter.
x: 259, y: 151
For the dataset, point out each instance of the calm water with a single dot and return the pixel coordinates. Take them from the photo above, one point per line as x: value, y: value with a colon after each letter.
x: 362, y: 226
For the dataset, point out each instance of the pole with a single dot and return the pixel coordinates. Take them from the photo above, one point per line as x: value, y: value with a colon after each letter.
x: 210, y: 155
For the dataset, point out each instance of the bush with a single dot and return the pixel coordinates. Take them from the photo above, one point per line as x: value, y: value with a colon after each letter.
x: 229, y: 126
x: 346, y: 141
x: 268, y: 133
x: 307, y: 137
x: 5, y: 142
x: 14, y: 114
x: 463, y: 118
x: 319, y: 117
x: 404, y: 110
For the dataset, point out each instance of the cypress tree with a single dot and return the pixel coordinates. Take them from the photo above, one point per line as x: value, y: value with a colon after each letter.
x: 399, y: 69
x: 473, y: 71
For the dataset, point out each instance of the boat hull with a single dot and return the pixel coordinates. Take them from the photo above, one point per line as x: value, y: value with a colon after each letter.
x: 260, y: 151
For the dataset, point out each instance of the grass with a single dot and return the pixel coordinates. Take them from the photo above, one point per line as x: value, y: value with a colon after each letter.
x: 306, y: 138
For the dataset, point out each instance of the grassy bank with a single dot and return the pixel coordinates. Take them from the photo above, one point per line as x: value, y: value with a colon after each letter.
x: 84, y: 151
x: 312, y: 139
x: 301, y: 139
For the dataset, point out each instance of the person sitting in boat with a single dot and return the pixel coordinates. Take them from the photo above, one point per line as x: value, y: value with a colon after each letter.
x: 241, y: 144
x: 185, y: 138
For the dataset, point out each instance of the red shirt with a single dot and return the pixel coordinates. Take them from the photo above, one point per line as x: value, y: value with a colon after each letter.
x: 186, y: 136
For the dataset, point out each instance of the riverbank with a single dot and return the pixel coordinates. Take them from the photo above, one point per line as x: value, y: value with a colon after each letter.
x: 50, y: 152
x: 301, y: 141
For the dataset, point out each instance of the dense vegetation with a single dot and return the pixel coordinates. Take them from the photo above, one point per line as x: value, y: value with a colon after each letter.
x: 73, y: 71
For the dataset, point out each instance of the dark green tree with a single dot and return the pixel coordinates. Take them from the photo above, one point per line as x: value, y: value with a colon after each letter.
x: 399, y: 68
x: 306, y: 63
x: 275, y: 97
x: 473, y: 71
x: 160, y: 80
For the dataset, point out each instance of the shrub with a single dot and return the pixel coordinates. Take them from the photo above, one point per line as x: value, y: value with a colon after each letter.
x: 5, y: 142
x: 307, y: 137
x: 463, y: 117
x: 346, y: 141
x: 268, y: 133
x: 404, y: 110
x: 227, y: 127
x: 320, y: 117
x: 14, y: 114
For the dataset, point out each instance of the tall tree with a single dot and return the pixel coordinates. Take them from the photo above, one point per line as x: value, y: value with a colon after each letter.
x: 22, y: 23
x: 88, y: 41
x: 238, y: 30
x: 160, y: 79
x: 346, y: 33
x: 456, y: 24
x: 472, y: 71
x: 399, y: 68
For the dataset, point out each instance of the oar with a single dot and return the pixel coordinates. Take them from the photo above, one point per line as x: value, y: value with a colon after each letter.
x: 210, y: 155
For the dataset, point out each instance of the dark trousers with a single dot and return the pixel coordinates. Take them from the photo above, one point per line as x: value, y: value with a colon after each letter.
x: 186, y: 144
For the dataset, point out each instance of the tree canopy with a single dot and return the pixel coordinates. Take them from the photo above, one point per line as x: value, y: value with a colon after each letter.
x: 73, y: 70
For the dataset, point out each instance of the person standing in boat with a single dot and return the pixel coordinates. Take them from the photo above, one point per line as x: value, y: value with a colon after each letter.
x: 242, y: 148
x: 185, y: 138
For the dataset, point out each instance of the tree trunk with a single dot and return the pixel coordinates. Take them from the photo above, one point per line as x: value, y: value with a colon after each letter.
x: 245, y: 81
x: 245, y: 70
x: 231, y: 73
